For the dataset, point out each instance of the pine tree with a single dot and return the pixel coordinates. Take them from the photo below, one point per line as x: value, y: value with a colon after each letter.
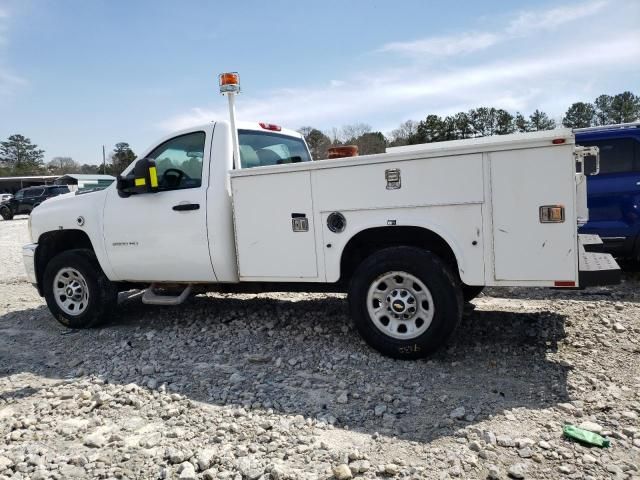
x: 21, y: 157
x: 579, y: 115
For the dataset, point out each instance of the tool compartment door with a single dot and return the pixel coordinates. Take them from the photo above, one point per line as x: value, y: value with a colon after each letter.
x: 273, y: 216
x: 521, y: 182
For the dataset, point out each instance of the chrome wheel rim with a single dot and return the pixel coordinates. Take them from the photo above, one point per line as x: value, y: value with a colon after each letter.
x: 400, y: 305
x: 70, y: 291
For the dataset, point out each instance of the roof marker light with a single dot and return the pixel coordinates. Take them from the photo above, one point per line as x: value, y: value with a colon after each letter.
x: 270, y: 126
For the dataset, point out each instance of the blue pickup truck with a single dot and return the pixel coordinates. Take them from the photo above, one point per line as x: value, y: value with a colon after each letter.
x: 613, y: 196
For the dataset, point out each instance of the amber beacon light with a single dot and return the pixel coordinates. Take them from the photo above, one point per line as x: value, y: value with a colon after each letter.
x: 229, y: 82
x: 230, y: 86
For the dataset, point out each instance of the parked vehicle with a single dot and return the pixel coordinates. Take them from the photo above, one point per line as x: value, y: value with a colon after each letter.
x: 29, y: 198
x: 614, y: 194
x: 5, y: 196
x: 408, y: 234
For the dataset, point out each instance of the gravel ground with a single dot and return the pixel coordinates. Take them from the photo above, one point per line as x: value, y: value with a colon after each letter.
x: 281, y: 387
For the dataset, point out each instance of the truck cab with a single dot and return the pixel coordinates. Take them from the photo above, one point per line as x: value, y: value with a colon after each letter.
x: 614, y: 194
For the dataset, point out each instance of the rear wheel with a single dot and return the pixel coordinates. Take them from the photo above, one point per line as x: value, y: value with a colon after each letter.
x: 6, y: 213
x: 405, y: 302
x: 77, y: 291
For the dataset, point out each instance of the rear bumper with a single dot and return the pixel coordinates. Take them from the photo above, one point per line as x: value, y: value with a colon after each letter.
x: 596, y: 269
x: 28, y: 258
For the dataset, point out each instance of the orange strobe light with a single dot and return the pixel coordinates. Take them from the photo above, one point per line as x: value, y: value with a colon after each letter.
x: 229, y: 82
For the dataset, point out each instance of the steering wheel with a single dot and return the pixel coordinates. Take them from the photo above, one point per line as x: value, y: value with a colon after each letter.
x: 174, y: 180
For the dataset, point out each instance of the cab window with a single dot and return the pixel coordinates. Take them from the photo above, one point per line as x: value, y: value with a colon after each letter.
x: 259, y: 149
x: 179, y: 161
x: 19, y: 195
x: 617, y: 155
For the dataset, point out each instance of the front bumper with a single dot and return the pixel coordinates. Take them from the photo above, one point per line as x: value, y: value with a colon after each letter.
x: 28, y: 258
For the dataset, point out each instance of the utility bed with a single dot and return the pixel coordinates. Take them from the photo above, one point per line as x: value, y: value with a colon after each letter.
x: 483, y: 197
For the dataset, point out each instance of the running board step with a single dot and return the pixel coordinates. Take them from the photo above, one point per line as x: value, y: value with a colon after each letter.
x: 590, y: 239
x: 597, y: 269
x: 150, y: 297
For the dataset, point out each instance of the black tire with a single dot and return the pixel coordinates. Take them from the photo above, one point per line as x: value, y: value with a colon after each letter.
x: 469, y: 292
x: 441, y: 283
x: 6, y: 213
x: 102, y: 293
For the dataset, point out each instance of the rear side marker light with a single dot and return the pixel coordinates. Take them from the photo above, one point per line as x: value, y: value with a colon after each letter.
x: 551, y: 214
x: 558, y: 141
x: 562, y: 283
x: 270, y: 126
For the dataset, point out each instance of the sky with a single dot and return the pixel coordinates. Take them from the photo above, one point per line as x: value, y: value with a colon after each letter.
x: 79, y: 74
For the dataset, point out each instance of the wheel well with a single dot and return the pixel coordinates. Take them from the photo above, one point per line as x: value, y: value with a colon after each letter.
x: 51, y: 244
x: 368, y: 241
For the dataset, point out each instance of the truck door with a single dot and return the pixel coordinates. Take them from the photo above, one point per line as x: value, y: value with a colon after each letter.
x: 163, y: 236
x: 614, y: 194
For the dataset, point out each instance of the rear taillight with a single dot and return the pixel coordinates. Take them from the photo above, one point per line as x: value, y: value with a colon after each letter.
x: 270, y: 126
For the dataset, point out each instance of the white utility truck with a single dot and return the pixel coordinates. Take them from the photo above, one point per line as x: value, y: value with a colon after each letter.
x: 409, y: 234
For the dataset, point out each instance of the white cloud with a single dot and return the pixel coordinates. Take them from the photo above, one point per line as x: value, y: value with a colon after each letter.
x: 445, y: 45
x: 529, y: 21
x: 524, y: 23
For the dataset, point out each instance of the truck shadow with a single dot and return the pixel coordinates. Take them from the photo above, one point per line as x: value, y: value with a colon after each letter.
x: 627, y: 291
x: 301, y: 357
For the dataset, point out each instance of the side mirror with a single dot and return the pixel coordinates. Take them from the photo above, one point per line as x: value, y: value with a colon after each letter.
x: 143, y: 178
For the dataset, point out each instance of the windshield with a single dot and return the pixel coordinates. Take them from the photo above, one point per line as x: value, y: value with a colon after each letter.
x: 258, y: 149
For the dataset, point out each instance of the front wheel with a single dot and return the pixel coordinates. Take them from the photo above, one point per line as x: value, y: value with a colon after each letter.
x: 77, y: 291
x: 405, y: 302
x: 6, y: 213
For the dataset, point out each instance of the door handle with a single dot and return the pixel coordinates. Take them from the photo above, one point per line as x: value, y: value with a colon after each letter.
x: 183, y: 207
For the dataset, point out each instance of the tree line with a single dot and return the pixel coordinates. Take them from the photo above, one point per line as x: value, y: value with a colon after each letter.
x: 20, y: 156
x: 477, y: 122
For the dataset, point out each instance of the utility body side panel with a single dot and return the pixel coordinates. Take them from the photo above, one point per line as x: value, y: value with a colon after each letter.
x: 433, y: 195
x: 268, y: 246
x: 523, y: 181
